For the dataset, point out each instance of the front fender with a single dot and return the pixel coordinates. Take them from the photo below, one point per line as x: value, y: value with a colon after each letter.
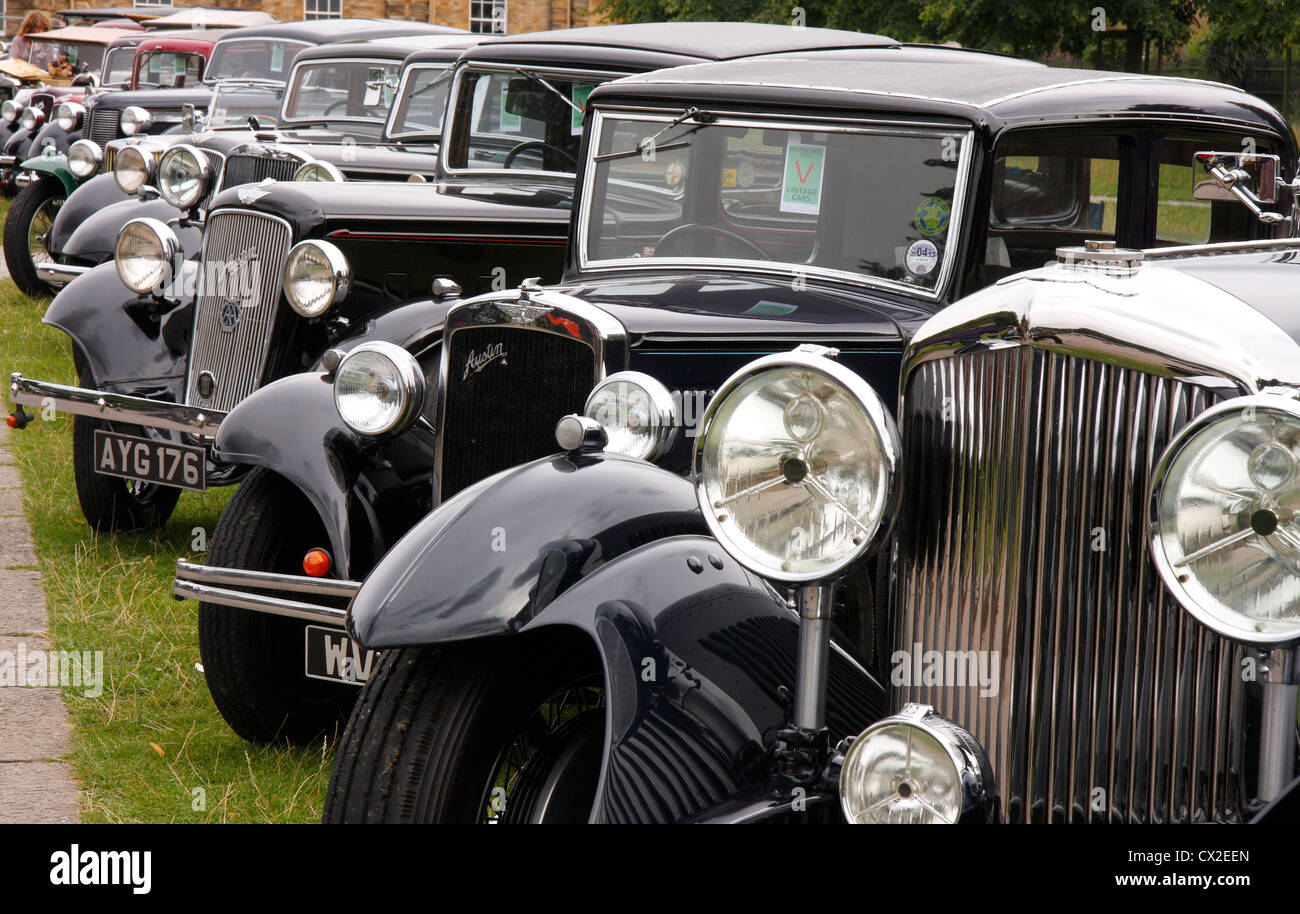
x: 127, y: 347
x: 92, y: 242
x: 96, y: 194
x: 414, y: 326
x: 52, y: 134
x: 54, y: 165
x: 495, y: 555
x: 292, y: 428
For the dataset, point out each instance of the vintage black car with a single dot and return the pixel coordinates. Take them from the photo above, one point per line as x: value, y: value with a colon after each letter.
x: 705, y: 234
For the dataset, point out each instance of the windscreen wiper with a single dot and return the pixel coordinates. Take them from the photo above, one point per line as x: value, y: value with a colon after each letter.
x: 700, y: 117
x: 446, y: 75
x: 541, y: 82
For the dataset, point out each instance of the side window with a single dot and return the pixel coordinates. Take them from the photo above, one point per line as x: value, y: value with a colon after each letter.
x: 1049, y: 191
x: 1184, y: 217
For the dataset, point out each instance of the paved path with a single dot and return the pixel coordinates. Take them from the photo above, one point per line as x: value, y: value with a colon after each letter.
x: 34, y: 728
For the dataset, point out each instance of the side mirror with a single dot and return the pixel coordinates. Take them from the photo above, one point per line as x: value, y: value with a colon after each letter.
x: 1251, y: 179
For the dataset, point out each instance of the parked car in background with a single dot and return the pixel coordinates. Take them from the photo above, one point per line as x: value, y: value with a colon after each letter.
x: 208, y: 17
x: 783, y: 201
x: 138, y: 14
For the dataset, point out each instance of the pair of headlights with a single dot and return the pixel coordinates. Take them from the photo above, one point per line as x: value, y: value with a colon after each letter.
x: 182, y: 174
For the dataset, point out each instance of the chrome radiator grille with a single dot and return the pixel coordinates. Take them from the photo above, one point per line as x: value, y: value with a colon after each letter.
x: 232, y: 334
x: 103, y: 126
x: 244, y: 169
x: 1023, y: 532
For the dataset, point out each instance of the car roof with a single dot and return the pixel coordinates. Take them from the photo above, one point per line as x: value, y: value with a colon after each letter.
x: 164, y: 39
x: 394, y: 48
x: 321, y: 31
x: 963, y: 83
x: 209, y: 17
x: 88, y: 33
x: 118, y: 12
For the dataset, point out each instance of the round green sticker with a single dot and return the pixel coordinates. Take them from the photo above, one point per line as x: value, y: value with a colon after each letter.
x: 931, y: 217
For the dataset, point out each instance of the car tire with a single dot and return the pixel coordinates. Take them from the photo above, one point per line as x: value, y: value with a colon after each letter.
x: 112, y: 504
x: 427, y: 739
x: 253, y: 662
x: 29, y: 220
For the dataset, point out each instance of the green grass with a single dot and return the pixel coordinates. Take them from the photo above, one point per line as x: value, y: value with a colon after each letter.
x: 113, y: 593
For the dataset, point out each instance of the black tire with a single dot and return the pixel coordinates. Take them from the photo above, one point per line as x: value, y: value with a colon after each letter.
x: 435, y: 730
x: 112, y: 504
x: 253, y: 662
x: 29, y: 220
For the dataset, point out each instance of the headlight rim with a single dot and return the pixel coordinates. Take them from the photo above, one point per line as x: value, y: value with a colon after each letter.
x: 815, y: 358
x: 168, y: 240
x: 341, y: 270
x: 77, y: 112
x: 660, y: 398
x: 140, y: 120
x: 11, y: 105
x: 1226, y: 627
x: 97, y: 157
x: 38, y: 118
x: 149, y: 160
x: 335, y: 173
x: 410, y: 376
x: 206, y: 172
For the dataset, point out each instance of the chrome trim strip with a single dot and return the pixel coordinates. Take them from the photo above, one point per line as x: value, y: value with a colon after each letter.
x: 59, y: 274
x: 113, y: 407
x: 274, y: 606
x: 266, y: 580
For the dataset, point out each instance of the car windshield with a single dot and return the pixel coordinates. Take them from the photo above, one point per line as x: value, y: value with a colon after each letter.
x: 253, y: 58
x: 168, y: 70
x: 65, y: 58
x: 522, y: 119
x: 234, y: 103
x: 423, y: 101
x: 352, y: 90
x: 118, y: 66
x: 873, y: 201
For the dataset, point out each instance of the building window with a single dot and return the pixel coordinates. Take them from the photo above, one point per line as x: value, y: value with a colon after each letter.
x: 487, y: 16
x: 322, y: 9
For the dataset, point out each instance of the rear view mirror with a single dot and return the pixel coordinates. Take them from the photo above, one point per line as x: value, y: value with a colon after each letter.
x: 1254, y: 172
x: 526, y: 98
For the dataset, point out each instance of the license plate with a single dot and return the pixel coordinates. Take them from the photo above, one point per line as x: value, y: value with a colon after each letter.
x: 333, y: 656
x: 161, y: 462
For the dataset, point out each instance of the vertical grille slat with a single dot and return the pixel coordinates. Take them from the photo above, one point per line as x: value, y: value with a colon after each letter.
x: 249, y: 169
x: 1036, y: 548
x: 235, y: 357
x: 102, y: 128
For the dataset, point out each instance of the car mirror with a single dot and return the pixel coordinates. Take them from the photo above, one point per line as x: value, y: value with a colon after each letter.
x: 526, y: 98
x: 1254, y: 173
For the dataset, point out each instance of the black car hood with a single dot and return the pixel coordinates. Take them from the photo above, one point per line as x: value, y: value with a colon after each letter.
x: 154, y: 98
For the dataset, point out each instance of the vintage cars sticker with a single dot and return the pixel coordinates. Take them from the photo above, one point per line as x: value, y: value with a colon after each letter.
x: 729, y: 177
x: 674, y: 172
x: 277, y: 58
x: 580, y: 94
x: 801, y: 191
x: 745, y: 174
x: 922, y: 256
x: 510, y: 122
x: 931, y: 216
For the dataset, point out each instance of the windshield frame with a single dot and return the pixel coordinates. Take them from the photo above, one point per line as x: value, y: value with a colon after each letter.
x: 583, y: 206
x: 453, y: 104
x: 407, y: 72
x: 212, y: 55
x: 289, y: 92
x: 233, y: 85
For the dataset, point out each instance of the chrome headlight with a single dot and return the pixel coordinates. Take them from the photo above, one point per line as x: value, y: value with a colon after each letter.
x: 144, y: 252
x: 916, y: 768
x: 84, y: 158
x: 795, y: 464
x: 32, y: 117
x: 316, y: 277
x: 10, y: 110
x: 68, y: 116
x: 637, y: 413
x: 184, y: 176
x: 319, y: 171
x: 1226, y: 507
x: 133, y: 168
x: 378, y: 389
x: 135, y: 120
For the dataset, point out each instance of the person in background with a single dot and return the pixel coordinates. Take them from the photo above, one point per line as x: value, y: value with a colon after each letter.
x: 33, y: 22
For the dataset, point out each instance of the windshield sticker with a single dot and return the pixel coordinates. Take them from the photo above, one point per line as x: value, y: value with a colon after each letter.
x: 580, y: 94
x: 218, y: 116
x: 728, y: 177
x: 277, y: 58
x: 674, y: 172
x: 510, y: 123
x: 922, y: 257
x: 745, y: 174
x: 801, y: 192
x: 771, y: 309
x: 931, y: 217
x: 166, y: 71
x: 72, y: 53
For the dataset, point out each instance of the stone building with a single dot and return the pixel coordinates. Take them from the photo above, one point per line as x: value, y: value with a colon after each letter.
x: 510, y: 16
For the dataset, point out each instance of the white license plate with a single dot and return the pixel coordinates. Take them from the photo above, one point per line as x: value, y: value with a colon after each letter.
x: 333, y: 656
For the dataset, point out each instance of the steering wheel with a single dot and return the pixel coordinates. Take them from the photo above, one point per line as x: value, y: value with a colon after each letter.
x: 674, y: 235
x: 352, y: 107
x: 529, y: 144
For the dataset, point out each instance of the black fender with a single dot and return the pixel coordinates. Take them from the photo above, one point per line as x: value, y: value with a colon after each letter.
x: 367, y: 492
x: 51, y: 134
x: 92, y: 242
x: 128, y: 345
x: 96, y: 194
x: 415, y: 326
x: 18, y: 143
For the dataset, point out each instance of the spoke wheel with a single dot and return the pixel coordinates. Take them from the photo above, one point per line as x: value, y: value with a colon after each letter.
x: 27, y: 231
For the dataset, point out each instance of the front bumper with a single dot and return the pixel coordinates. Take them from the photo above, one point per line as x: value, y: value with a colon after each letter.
x: 100, y: 404
x: 59, y: 274
x: 8, y: 161
x: 226, y: 587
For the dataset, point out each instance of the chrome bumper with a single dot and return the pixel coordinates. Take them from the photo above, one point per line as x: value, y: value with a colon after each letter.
x: 114, y: 407
x: 59, y: 274
x: 7, y: 161
x: 211, y: 584
x: 23, y: 178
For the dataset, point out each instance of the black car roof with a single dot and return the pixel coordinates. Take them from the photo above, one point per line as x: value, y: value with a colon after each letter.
x: 943, y: 80
x: 321, y: 31
x: 450, y: 45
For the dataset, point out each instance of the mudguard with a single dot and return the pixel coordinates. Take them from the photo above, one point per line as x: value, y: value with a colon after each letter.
x: 127, y: 346
x: 92, y: 242
x: 291, y: 427
x: 54, y: 165
x: 96, y: 194
x: 414, y: 326
x: 695, y: 650
x: 52, y: 135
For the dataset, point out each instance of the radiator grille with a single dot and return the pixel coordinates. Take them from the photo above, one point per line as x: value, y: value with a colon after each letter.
x: 234, y: 351
x: 1023, y: 532
x: 245, y: 169
x: 103, y: 127
x: 505, y: 413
